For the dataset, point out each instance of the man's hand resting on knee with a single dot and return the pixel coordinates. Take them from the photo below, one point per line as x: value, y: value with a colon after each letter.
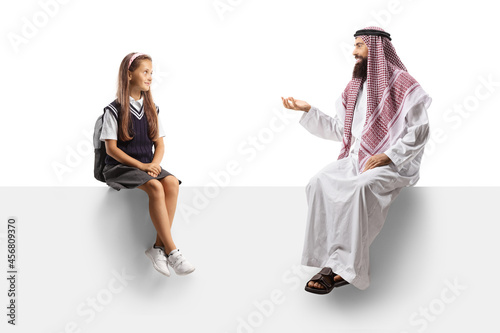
x: 376, y: 161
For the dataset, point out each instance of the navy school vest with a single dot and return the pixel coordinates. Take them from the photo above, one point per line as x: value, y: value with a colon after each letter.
x: 141, y: 146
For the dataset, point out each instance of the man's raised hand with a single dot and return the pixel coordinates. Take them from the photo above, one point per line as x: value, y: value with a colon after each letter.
x: 295, y: 104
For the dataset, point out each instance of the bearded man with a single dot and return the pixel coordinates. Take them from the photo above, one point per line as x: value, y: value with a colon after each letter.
x: 382, y: 123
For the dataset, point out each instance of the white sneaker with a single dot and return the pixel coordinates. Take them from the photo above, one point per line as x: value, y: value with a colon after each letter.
x: 159, y: 259
x: 180, y: 265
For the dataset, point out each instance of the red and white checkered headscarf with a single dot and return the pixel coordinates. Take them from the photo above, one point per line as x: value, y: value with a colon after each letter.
x: 391, y: 94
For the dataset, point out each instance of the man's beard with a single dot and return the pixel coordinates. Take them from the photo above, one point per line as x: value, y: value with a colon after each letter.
x: 360, y: 69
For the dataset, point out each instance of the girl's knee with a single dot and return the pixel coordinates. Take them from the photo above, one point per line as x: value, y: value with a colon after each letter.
x: 153, y: 187
x: 170, y: 183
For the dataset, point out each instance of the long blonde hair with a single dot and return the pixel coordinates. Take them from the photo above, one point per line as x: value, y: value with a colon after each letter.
x: 125, y: 131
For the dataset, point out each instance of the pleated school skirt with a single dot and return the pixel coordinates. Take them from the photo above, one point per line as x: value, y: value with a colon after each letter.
x: 122, y: 176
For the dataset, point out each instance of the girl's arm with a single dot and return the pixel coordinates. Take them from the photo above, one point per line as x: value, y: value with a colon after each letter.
x: 159, y: 151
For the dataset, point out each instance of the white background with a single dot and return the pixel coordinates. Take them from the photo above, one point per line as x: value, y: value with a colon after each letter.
x: 219, y: 78
x: 218, y: 85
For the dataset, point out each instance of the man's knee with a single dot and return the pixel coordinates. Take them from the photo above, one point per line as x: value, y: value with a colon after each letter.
x: 369, y: 180
x: 316, y: 181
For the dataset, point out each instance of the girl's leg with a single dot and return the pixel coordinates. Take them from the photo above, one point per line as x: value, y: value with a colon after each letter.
x: 159, y: 214
x: 171, y: 190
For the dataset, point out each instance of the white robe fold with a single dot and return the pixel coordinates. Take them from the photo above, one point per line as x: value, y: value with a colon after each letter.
x: 346, y: 208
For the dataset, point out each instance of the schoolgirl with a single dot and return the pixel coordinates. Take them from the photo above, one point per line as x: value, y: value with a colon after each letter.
x: 131, y: 127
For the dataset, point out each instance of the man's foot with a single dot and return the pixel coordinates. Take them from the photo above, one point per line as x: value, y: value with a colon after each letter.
x: 337, y: 281
x: 325, y: 280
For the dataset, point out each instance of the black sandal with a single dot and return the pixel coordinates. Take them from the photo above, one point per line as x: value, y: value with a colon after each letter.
x: 325, y: 278
x: 340, y: 283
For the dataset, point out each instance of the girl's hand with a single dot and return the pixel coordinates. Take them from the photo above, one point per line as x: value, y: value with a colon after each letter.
x: 153, y: 169
x: 295, y: 104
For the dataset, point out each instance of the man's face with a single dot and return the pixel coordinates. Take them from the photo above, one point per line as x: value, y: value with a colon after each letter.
x: 360, y: 53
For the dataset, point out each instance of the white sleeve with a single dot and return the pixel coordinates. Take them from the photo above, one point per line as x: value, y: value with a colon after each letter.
x: 417, y: 134
x: 322, y: 125
x: 161, y: 131
x: 109, y: 127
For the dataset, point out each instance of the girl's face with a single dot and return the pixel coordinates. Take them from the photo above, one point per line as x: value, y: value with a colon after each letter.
x: 141, y: 77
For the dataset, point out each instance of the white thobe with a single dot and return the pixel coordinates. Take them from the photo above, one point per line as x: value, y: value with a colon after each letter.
x: 346, y: 208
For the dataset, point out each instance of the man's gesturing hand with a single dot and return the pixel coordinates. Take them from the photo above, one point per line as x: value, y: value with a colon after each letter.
x: 376, y: 161
x: 295, y: 104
